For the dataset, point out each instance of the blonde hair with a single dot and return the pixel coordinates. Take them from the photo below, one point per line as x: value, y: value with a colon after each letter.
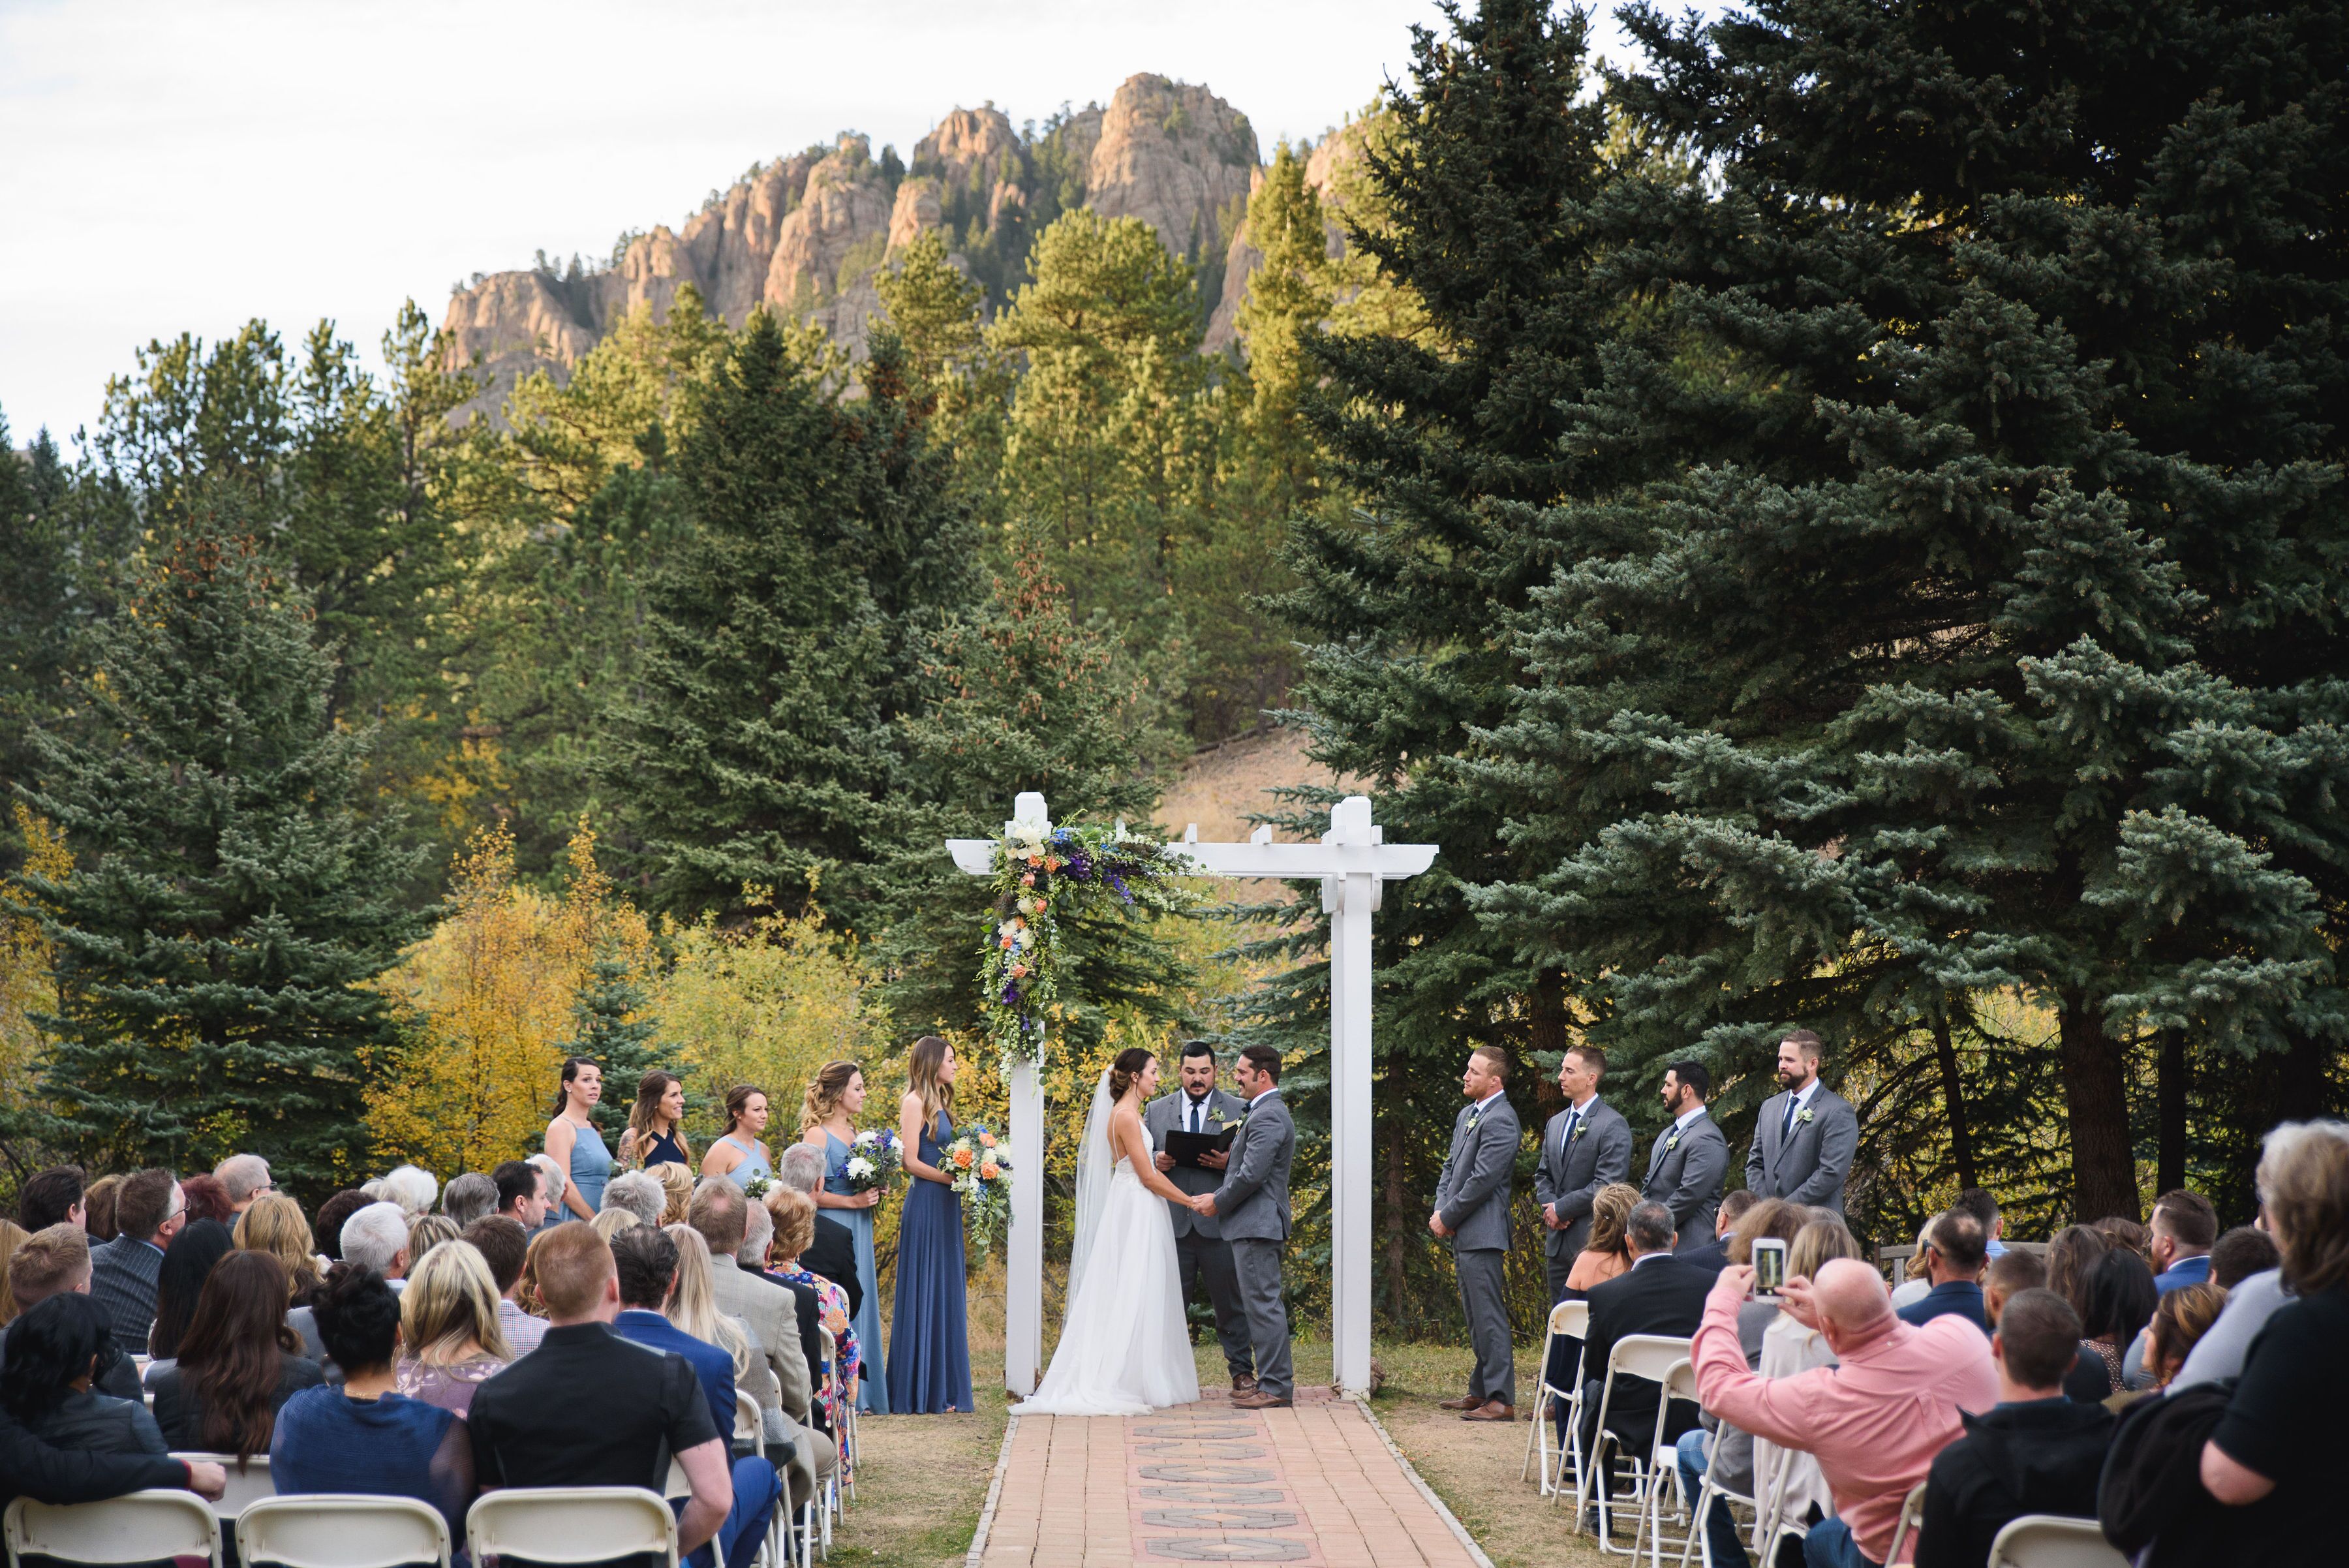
x: 426, y: 1233
x: 693, y: 1305
x: 610, y: 1223
x: 824, y: 1093
x: 1610, y: 1212
x: 677, y: 1190
x: 274, y: 1225
x: 2303, y: 1186
x: 11, y: 1236
x: 450, y: 1298
x: 793, y: 1212
x: 2183, y: 1316
x: 922, y: 1065
x: 1816, y: 1244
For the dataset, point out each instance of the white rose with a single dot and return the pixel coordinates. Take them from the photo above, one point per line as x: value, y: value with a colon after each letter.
x: 860, y: 1169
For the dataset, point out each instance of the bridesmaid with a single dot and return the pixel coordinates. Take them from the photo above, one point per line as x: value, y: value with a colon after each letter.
x: 655, y: 1134
x: 738, y: 1154
x: 827, y: 1122
x: 572, y: 1142
x: 929, y: 1347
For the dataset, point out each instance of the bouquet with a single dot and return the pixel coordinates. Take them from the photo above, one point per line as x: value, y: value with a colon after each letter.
x: 982, y: 1180
x: 755, y: 1190
x: 873, y: 1157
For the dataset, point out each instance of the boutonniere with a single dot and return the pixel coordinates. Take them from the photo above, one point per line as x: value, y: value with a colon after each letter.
x: 1804, y: 1115
x: 1579, y: 1128
x: 1672, y: 1142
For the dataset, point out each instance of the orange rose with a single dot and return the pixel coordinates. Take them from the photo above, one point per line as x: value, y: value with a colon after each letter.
x: 1005, y: 943
x: 987, y: 1140
x: 988, y: 1172
x: 962, y: 1158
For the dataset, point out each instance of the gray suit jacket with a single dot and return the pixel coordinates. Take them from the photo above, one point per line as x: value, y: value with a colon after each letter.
x: 772, y: 1316
x: 1252, y: 1204
x: 1171, y: 1112
x: 1809, y: 1166
x: 1685, y: 1174
x: 1473, y: 1192
x: 1571, y: 1177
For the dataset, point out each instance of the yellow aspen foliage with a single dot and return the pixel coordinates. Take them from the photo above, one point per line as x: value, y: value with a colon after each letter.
x: 27, y: 982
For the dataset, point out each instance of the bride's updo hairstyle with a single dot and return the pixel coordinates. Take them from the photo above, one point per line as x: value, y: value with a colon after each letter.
x: 1126, y: 1069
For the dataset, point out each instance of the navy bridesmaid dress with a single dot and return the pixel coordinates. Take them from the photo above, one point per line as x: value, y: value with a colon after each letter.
x: 929, y: 1347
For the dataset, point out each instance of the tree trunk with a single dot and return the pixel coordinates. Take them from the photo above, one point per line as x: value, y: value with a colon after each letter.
x: 1953, y: 1102
x: 2170, y: 1157
x: 1546, y: 1014
x: 2096, y: 1101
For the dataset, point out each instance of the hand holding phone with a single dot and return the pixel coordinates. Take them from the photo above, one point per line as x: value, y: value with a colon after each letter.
x: 1769, y: 1265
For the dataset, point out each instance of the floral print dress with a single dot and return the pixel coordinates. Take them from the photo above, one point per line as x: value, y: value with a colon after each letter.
x: 832, y: 1310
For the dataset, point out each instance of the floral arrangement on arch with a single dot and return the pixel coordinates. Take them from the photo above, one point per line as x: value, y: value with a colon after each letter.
x: 981, y: 1171
x: 1042, y: 875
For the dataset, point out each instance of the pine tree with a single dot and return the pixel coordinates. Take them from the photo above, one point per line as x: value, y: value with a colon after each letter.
x: 41, y: 601
x: 616, y: 1035
x: 229, y: 901
x: 1966, y: 624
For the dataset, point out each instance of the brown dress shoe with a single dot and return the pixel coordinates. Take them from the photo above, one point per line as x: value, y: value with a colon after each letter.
x: 1465, y: 1402
x: 1243, y: 1384
x: 1491, y: 1410
x: 1260, y: 1400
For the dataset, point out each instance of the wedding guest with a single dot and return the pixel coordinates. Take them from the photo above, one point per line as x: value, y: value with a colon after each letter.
x: 610, y: 1223
x: 929, y: 1351
x: 2240, y: 1254
x: 676, y: 1191
x: 272, y: 1223
x: 1983, y: 1207
x: 1714, y: 1254
x: 52, y: 1197
x: 573, y: 1147
x: 238, y: 1362
x: 1690, y: 1157
x: 426, y: 1231
x: 645, y: 1261
x: 738, y: 1154
x: 1953, y: 1261
x: 12, y: 1237
x: 243, y: 1179
x: 411, y: 1187
x: 794, y: 1216
x: 202, y: 1197
x: 124, y: 1271
x: 1790, y: 1345
x: 655, y: 1134
x: 2180, y: 1321
x: 468, y: 1197
x: 722, y: 1217
x: 2247, y: 1265
x: 180, y: 1284
x: 639, y: 1193
x: 2117, y: 1301
x: 829, y: 1107
x: 33, y: 1466
x: 365, y: 1437
x: 833, y: 1254
x: 449, y: 1325
x: 521, y: 1193
x: 1916, y: 1282
x: 503, y: 1244
x: 1660, y: 1294
x: 554, y: 1185
x: 2120, y: 1230
x: 1608, y: 1253
x: 2183, y: 1227
x: 98, y: 1209
x: 53, y: 1262
x: 1586, y: 1148
x: 53, y: 1357
x: 375, y: 1237
x: 326, y: 1224
x: 586, y: 1409
x: 2006, y: 1275
x: 755, y: 1256
x: 1472, y: 1212
x: 1718, y: 1448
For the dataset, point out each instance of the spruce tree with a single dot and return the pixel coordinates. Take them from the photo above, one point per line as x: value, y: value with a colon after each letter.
x: 615, y: 1034
x: 1967, y: 623
x: 229, y: 901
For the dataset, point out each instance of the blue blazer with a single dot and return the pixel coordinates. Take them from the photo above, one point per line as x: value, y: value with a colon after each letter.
x: 710, y: 1364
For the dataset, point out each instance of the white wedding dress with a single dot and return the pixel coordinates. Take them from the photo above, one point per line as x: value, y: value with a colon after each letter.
x: 1125, y: 1345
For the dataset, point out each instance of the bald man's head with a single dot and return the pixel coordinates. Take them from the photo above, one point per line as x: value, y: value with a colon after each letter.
x: 1850, y: 1298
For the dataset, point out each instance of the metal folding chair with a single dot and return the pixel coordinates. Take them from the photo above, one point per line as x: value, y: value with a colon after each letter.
x: 2053, y: 1541
x: 1648, y: 1355
x: 1568, y: 1320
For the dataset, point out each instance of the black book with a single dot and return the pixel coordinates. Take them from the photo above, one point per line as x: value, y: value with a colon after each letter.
x: 1187, y: 1147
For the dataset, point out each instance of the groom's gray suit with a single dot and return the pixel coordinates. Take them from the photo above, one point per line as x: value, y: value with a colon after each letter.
x: 1202, y: 1256
x: 1252, y: 1209
x: 1472, y: 1197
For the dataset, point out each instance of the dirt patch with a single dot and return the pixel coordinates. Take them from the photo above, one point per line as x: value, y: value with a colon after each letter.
x: 1219, y: 787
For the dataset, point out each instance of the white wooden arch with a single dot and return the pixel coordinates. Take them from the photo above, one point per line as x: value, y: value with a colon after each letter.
x: 1351, y: 860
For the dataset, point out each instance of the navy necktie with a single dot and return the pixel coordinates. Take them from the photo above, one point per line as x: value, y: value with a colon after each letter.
x: 1198, y: 1110
x: 1788, y: 1128
x: 1566, y: 1138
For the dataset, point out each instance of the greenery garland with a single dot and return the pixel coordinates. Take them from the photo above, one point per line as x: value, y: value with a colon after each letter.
x: 1041, y: 875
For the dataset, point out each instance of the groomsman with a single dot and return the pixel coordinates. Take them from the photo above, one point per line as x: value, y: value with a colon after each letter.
x: 1203, y: 1258
x: 1585, y: 1146
x: 1472, y: 1212
x: 1807, y: 1133
x: 1690, y: 1159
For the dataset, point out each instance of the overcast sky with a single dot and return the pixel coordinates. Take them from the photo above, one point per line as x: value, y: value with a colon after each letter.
x: 177, y: 166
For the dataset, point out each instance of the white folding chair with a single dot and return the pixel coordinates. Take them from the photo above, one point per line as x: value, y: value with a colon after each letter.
x: 1568, y: 1320
x: 1912, y: 1517
x: 245, y: 1486
x: 570, y: 1524
x: 2052, y: 1540
x: 678, y: 1485
x: 1664, y: 1464
x: 1774, y: 1526
x: 749, y: 1427
x: 137, y: 1527
x: 1713, y: 1494
x: 1648, y: 1355
x: 342, y: 1530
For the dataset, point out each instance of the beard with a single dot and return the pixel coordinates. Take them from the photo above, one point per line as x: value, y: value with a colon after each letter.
x: 1788, y: 1077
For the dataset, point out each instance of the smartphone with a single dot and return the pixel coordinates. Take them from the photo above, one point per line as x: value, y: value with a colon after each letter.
x: 1769, y: 1265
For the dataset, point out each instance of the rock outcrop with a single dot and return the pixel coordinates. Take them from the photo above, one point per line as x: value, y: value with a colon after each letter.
x: 1176, y: 156
x: 1242, y: 258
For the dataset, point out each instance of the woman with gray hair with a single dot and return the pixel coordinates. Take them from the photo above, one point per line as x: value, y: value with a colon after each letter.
x: 412, y: 1188
x: 639, y: 1193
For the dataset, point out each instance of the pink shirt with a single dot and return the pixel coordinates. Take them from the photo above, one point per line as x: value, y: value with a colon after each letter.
x: 1875, y: 1422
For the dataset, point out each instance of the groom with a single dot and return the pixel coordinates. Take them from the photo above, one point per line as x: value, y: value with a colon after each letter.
x: 1203, y: 1258
x: 1253, y: 1204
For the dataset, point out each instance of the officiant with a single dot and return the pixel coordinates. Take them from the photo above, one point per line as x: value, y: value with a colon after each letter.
x: 1204, y: 1113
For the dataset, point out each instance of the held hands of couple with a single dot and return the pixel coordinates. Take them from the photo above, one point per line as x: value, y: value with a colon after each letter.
x: 1204, y: 1203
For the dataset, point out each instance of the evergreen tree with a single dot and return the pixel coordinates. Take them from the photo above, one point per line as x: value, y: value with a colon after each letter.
x: 616, y: 1035
x: 229, y: 901
x: 1966, y: 626
x: 40, y: 600
x: 937, y: 314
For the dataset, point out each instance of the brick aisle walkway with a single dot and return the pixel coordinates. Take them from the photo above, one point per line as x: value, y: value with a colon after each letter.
x: 1207, y: 1483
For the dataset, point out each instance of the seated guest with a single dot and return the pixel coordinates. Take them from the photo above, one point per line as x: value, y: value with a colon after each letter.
x: 610, y: 1223
x: 1660, y: 1294
x: 1790, y: 1345
x: 793, y: 1213
x: 639, y: 1193
x: 646, y: 1260
x: 833, y: 1254
x: 202, y: 1197
x: 2120, y: 1230
x: 503, y: 1245
x: 2245, y: 1265
x: 1953, y: 1261
x: 693, y: 1308
x: 56, y: 1262
x: 180, y: 1286
x: 33, y: 1466
x: 2120, y: 1300
x: 1607, y: 1255
x: 375, y: 1237
x: 53, y: 1353
x: 412, y: 1188
x: 272, y: 1223
x: 242, y: 1178
x: 2008, y: 1275
x: 468, y: 1197
x: 1917, y: 1281
x: 1983, y: 1207
x: 426, y: 1231
x: 720, y: 1214
x: 328, y: 1223
x: 52, y: 1197
x: 2180, y: 1321
x: 1714, y: 1254
x: 589, y: 1409
x: 2070, y: 1256
x: 11, y: 1236
x: 552, y: 1180
x: 2032, y: 1452
x: 449, y: 1322
x: 676, y: 1191
x: 1873, y: 1420
x: 1719, y: 1447
x: 124, y: 1271
x: 98, y: 1209
x: 521, y: 1193
x: 364, y: 1435
x: 238, y: 1362
x: 2183, y: 1227
x: 2280, y: 1448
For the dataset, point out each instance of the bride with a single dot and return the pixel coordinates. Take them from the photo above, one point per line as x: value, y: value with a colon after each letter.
x: 1126, y: 1346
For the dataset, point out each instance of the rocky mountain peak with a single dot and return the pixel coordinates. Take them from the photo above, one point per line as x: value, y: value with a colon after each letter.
x: 1177, y: 157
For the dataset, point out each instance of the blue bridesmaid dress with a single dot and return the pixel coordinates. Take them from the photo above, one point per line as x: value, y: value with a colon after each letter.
x: 871, y: 1391
x: 929, y: 1346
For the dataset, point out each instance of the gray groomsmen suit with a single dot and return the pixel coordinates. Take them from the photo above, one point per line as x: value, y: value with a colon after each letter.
x: 1252, y: 1209
x: 1574, y: 1166
x: 1685, y: 1170
x: 1807, y: 1162
x: 1203, y: 1258
x: 1473, y: 1198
